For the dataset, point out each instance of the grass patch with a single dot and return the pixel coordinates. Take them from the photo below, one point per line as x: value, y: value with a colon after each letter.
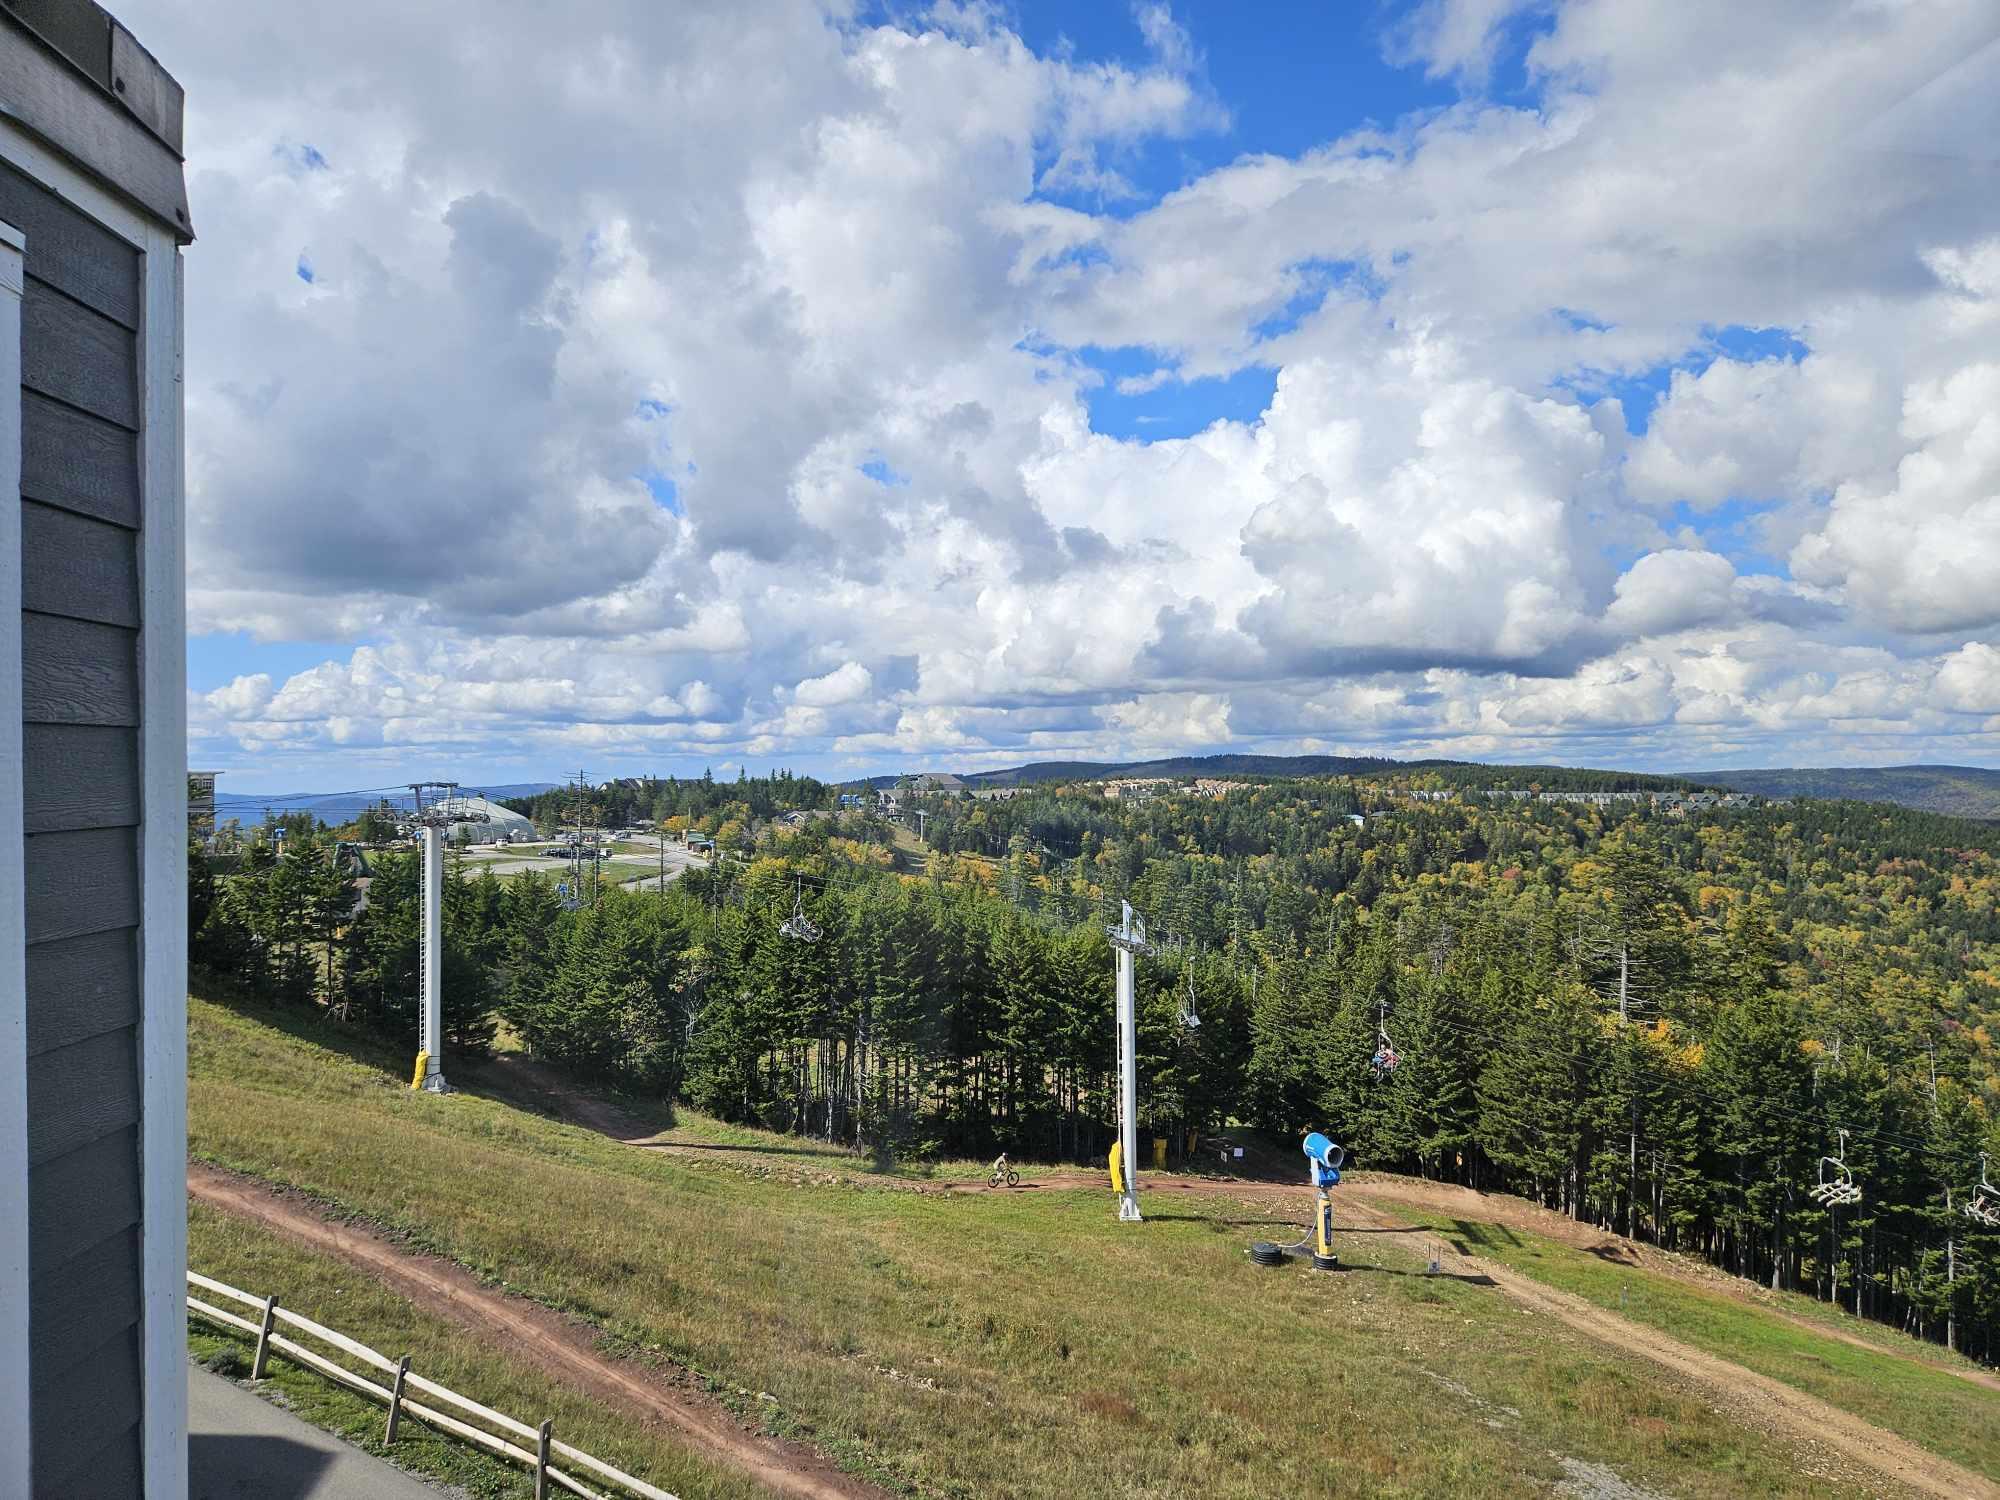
x: 1904, y: 1388
x: 1021, y: 1344
x: 329, y: 1290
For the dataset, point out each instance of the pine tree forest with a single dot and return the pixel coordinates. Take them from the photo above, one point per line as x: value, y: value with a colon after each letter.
x: 1659, y: 1020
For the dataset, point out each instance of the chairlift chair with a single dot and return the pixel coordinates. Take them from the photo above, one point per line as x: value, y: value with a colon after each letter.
x: 1983, y: 1207
x: 1188, y: 1019
x: 1386, y: 1057
x: 1836, y: 1186
x: 798, y: 925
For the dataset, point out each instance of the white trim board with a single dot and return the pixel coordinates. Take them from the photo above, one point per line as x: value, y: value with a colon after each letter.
x: 15, y: 1426
x: 163, y: 874
x: 60, y: 176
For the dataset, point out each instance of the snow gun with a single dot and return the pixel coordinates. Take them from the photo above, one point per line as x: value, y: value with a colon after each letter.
x: 1326, y: 1158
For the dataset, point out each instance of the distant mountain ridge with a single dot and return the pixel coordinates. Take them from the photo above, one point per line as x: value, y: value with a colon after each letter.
x: 1960, y: 791
x: 1190, y: 765
x: 1461, y: 771
x: 1957, y: 791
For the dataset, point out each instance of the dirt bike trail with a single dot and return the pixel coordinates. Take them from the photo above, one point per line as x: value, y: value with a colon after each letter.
x: 1767, y: 1403
x: 1519, y: 1213
x: 561, y: 1347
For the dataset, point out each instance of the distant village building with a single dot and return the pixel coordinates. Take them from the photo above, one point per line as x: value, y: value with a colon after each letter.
x: 1137, y: 789
x: 922, y: 784
x: 485, y: 822
x: 201, y: 804
x: 1676, y: 804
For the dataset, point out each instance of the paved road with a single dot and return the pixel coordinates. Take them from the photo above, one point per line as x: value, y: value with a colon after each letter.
x: 241, y: 1447
x: 508, y: 861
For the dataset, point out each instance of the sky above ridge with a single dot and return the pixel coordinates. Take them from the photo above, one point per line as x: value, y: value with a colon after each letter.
x: 864, y: 386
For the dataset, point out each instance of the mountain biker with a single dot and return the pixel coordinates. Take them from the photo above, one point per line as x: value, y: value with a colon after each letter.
x: 1000, y: 1167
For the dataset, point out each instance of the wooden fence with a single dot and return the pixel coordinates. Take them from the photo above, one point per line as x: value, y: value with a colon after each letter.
x: 542, y: 1447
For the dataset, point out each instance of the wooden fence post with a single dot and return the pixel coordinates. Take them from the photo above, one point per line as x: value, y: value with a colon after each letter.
x: 542, y: 1460
x: 264, y: 1337
x: 396, y: 1399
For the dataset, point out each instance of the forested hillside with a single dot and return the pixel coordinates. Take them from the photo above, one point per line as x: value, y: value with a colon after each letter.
x: 1959, y: 791
x: 619, y: 804
x: 1653, y: 1015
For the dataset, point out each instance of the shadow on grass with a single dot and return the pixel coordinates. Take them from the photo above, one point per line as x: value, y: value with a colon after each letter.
x: 1482, y: 1236
x: 314, y: 1025
x: 1219, y: 1223
x: 1379, y: 1228
x: 1614, y: 1253
x: 1469, y: 1278
x: 821, y: 1152
x: 482, y: 1075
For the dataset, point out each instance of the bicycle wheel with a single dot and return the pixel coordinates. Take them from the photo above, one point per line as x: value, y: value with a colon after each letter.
x: 1013, y: 1178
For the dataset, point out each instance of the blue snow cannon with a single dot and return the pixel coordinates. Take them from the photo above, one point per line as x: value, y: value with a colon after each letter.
x: 1326, y: 1158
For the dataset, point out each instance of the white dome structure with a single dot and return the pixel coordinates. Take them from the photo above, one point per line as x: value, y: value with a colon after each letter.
x: 501, y: 826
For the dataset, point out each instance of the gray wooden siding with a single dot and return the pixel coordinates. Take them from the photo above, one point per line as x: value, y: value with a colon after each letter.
x: 82, y: 1449
x: 80, y: 518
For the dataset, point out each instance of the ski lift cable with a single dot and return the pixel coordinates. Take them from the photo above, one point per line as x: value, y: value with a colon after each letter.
x: 1697, y: 1093
x: 1689, y: 1092
x: 1990, y: 1205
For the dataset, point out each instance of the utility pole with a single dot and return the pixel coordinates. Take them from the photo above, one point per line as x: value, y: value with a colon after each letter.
x: 1128, y: 940
x: 578, y: 782
x: 435, y: 812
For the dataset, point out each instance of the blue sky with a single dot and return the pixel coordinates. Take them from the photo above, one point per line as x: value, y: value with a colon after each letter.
x: 785, y: 425
x: 1291, y: 77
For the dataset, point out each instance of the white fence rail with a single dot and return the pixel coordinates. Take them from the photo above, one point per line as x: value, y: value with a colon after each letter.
x: 542, y: 1445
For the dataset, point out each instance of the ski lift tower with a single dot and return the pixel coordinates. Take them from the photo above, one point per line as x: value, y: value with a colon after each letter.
x: 436, y: 808
x: 1129, y: 939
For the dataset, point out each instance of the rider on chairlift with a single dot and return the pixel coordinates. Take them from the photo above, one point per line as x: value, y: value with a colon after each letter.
x: 1385, y: 1059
